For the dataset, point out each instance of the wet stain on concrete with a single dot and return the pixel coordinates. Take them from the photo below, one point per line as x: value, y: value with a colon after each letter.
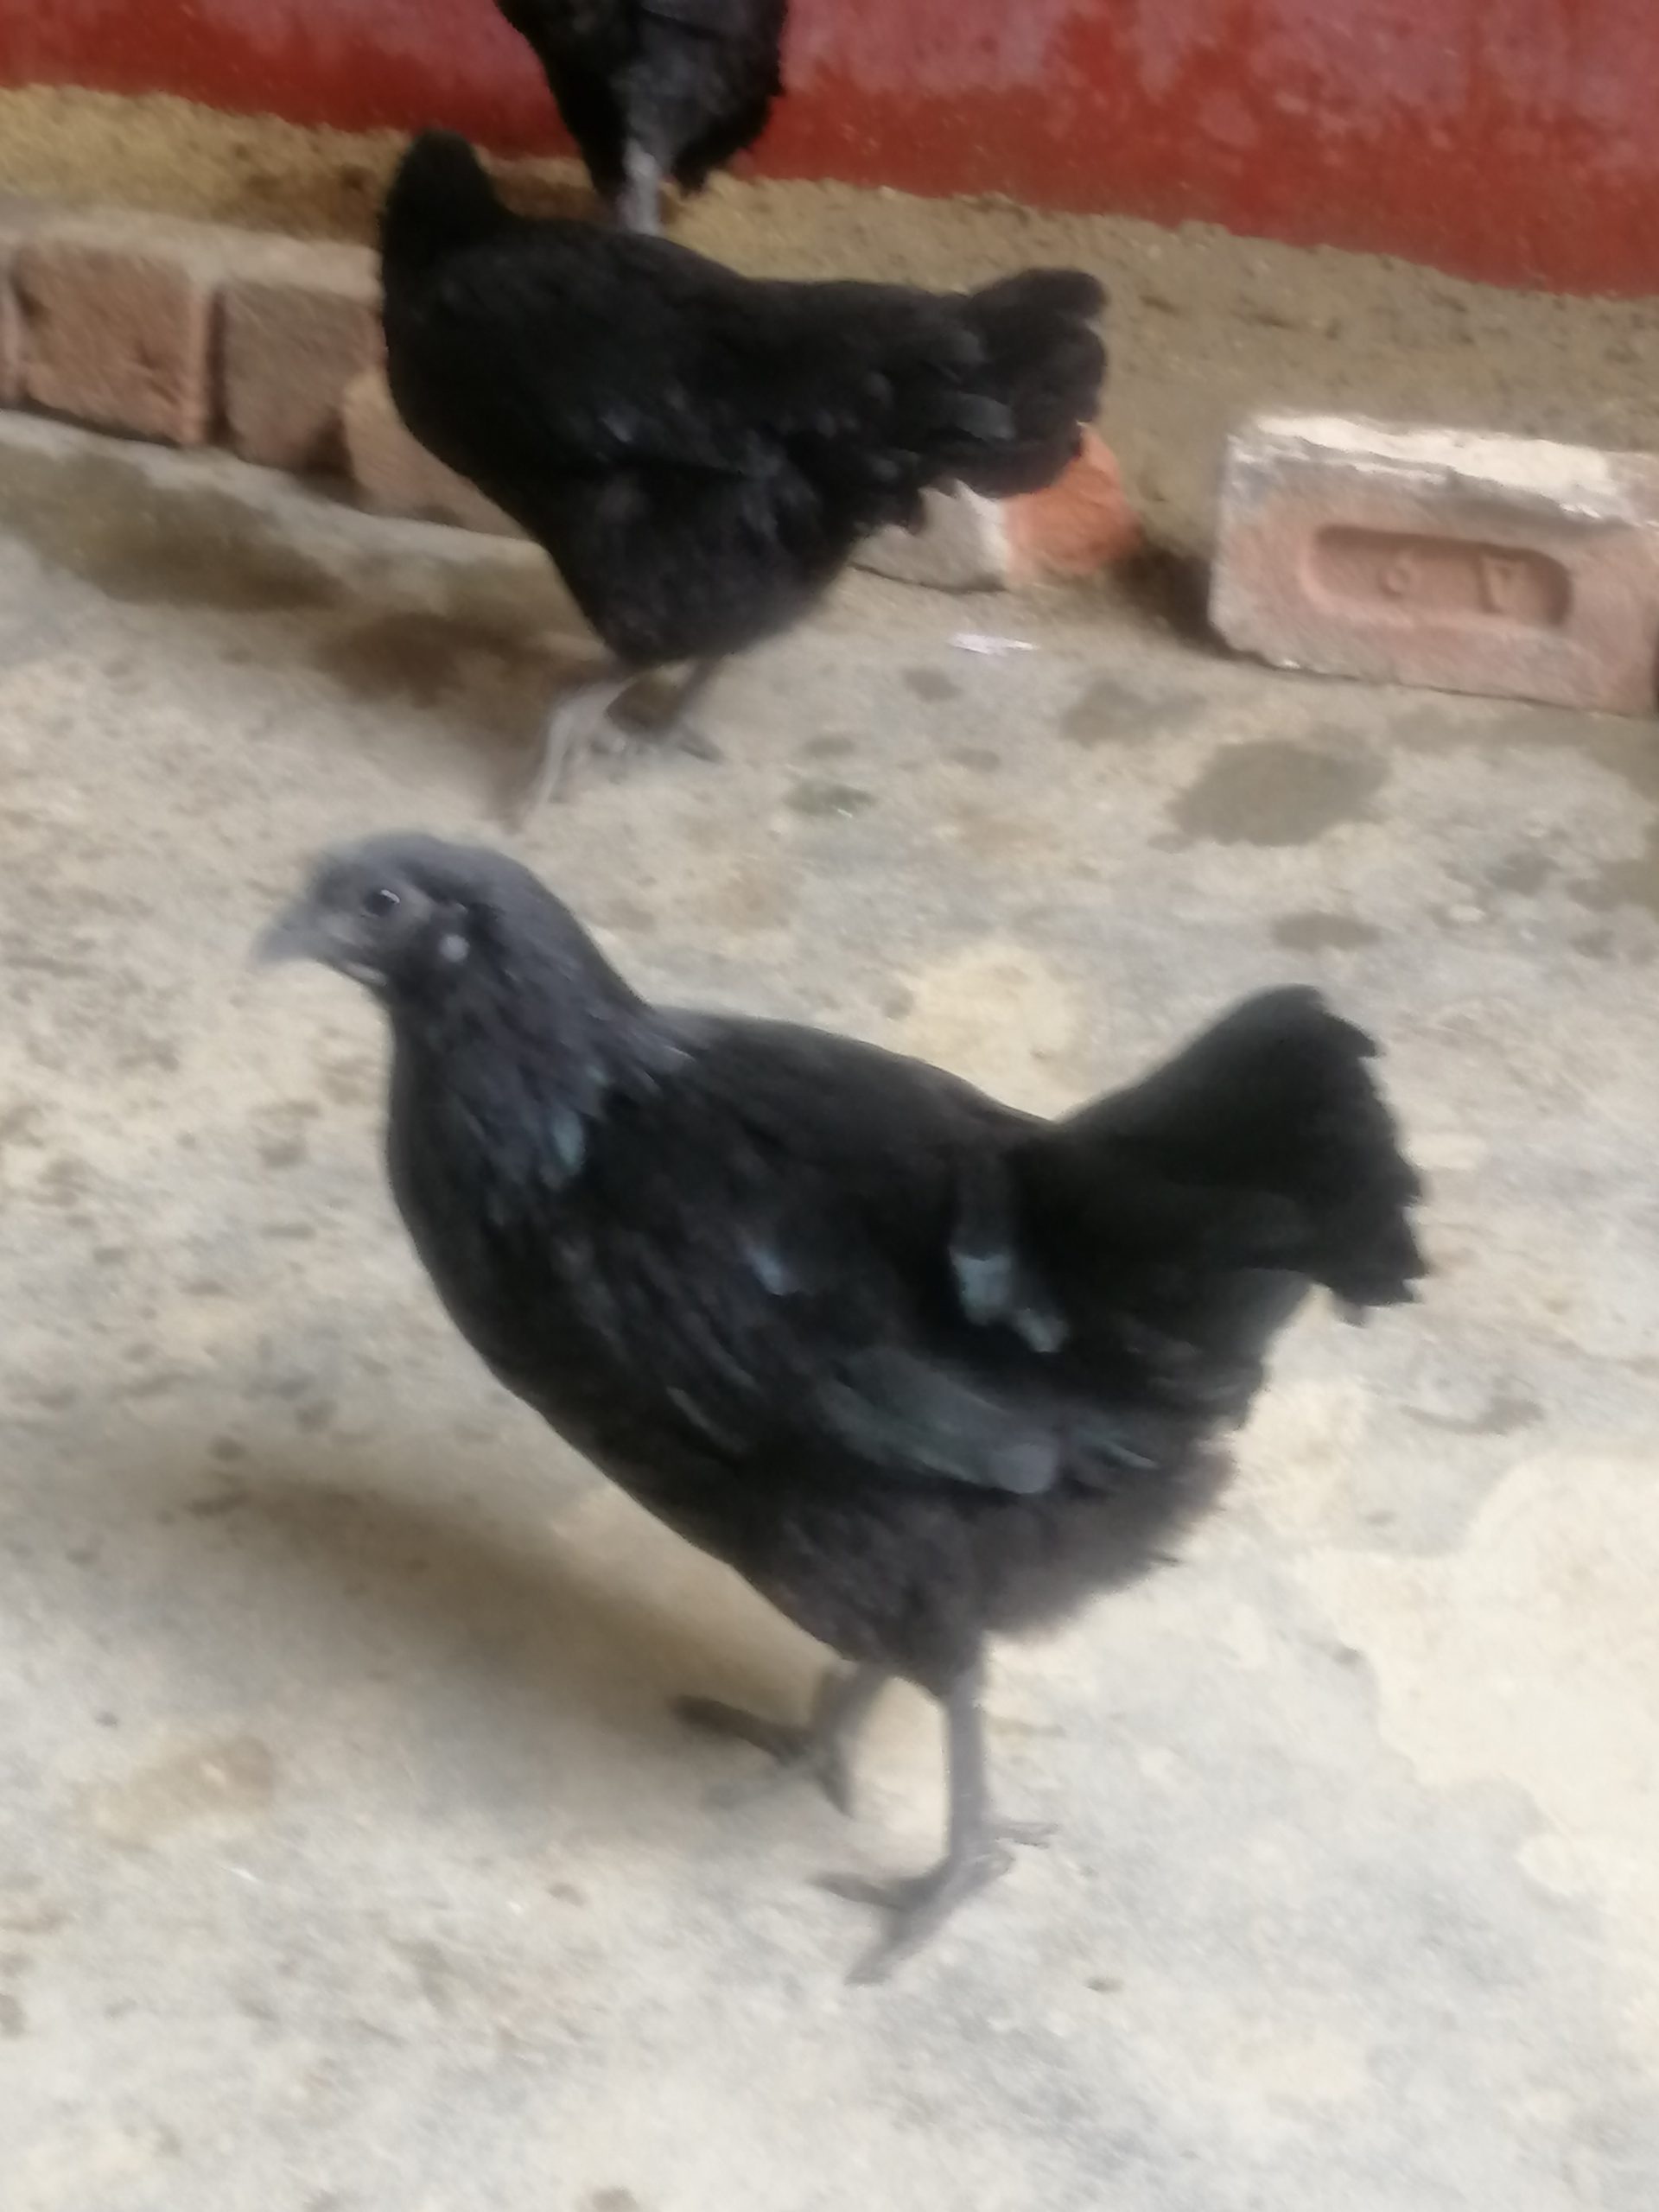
x: 350, y: 1082
x: 65, y: 1181
x: 1279, y: 792
x: 233, y: 1778
x: 417, y: 657
x: 435, y: 1972
x: 23, y: 1128
x: 1624, y: 745
x: 818, y: 800
x: 280, y: 1132
x: 1313, y: 931
x: 1522, y: 875
x: 100, y: 517
x: 998, y: 836
x: 33, y: 1918
x: 1112, y: 712
x: 627, y: 915
x: 1623, y: 883
x: 931, y: 683
x: 1507, y: 1412
x: 753, y: 896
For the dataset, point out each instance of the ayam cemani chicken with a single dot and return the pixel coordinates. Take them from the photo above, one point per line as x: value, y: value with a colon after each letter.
x: 698, y: 452
x: 922, y: 1367
x: 650, y: 89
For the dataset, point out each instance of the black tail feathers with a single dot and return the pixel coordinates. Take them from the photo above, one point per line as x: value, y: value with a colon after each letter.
x: 1041, y: 366
x: 1276, y: 1103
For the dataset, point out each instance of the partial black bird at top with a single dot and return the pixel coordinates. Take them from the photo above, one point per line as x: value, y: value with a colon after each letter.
x: 699, y: 453
x: 922, y: 1367
x: 654, y: 89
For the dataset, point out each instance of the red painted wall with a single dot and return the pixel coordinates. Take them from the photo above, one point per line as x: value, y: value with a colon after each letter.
x: 1511, y: 139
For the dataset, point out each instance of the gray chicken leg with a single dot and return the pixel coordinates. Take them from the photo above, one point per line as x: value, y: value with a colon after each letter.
x: 582, y: 722
x: 821, y: 1749
x: 677, y: 730
x: 571, y: 728
x: 975, y: 1851
x: 639, y: 205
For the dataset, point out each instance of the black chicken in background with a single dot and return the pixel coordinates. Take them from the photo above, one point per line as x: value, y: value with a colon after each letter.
x: 650, y: 89
x: 922, y: 1367
x: 698, y: 452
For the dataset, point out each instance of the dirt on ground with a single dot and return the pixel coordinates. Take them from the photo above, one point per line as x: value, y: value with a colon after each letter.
x: 1205, y: 327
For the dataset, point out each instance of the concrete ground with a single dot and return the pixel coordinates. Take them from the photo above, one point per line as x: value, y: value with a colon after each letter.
x: 349, y: 1859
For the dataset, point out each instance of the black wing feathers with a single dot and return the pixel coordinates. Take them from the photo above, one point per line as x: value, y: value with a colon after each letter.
x: 859, y: 1263
x: 759, y: 1259
x: 700, y: 452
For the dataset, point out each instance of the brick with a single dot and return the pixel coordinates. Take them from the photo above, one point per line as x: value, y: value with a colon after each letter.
x: 1461, y: 560
x: 1080, y: 523
x: 395, y: 474
x: 297, y: 332
x: 19, y: 220
x: 967, y: 542
x: 117, y: 312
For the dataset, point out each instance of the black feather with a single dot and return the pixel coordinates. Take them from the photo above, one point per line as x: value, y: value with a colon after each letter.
x: 919, y: 1365
x: 690, y: 82
x: 700, y: 453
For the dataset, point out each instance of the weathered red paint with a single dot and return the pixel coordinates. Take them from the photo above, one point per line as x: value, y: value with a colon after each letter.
x: 1511, y: 139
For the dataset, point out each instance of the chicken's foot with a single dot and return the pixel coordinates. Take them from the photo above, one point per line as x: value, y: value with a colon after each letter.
x: 975, y: 1851
x: 821, y: 1749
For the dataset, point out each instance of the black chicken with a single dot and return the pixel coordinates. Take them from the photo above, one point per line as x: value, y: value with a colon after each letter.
x: 697, y: 452
x: 918, y: 1365
x: 652, y: 89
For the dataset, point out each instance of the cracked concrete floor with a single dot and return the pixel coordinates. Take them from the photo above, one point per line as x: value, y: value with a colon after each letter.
x: 349, y: 1861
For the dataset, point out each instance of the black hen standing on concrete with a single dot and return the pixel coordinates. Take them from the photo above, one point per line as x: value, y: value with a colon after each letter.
x: 650, y: 89
x: 920, y: 1367
x: 697, y: 452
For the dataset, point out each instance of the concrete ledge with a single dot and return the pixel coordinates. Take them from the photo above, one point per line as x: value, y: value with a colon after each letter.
x: 188, y: 334
x: 395, y: 474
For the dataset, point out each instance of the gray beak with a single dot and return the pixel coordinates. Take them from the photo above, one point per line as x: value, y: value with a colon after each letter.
x: 295, y: 934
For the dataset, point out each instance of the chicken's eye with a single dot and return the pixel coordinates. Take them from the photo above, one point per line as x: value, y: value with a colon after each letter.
x: 382, y: 900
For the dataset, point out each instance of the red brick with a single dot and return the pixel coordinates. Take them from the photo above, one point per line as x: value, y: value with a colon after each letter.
x: 1462, y: 562
x: 1080, y: 523
x: 396, y: 475
x: 297, y: 332
x: 19, y: 220
x: 118, y: 313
